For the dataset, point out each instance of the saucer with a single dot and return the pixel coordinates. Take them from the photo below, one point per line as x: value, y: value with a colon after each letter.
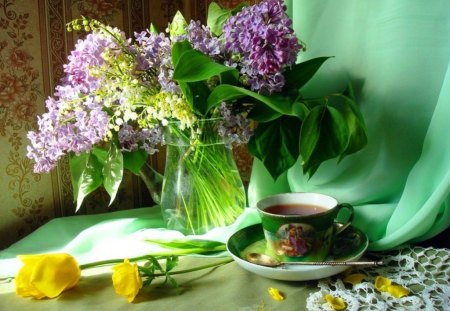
x: 348, y: 246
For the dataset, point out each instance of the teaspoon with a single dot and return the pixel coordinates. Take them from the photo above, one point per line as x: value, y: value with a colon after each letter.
x: 268, y: 261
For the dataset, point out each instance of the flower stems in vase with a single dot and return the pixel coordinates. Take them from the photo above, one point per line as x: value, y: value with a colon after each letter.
x: 202, y: 187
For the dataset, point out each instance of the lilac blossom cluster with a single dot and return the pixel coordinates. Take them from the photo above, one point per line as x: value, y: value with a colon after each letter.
x: 202, y: 40
x: 154, y: 58
x: 147, y: 139
x: 71, y: 124
x: 87, y: 54
x: 262, y: 43
x: 234, y: 127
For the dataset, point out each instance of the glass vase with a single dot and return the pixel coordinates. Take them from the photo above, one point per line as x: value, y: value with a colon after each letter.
x: 202, y: 188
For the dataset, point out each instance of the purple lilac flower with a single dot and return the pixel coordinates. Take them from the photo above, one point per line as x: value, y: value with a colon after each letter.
x: 61, y: 131
x: 264, y: 42
x: 146, y: 139
x: 87, y: 53
x: 155, y: 52
x: 202, y: 40
x: 235, y: 127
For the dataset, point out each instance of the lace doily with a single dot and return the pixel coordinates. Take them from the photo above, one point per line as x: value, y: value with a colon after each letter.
x: 424, y: 271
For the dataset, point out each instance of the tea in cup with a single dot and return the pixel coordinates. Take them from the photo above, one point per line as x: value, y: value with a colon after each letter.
x: 301, y: 226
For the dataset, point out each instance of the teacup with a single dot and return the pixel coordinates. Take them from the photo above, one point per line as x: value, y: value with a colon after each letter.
x: 301, y: 226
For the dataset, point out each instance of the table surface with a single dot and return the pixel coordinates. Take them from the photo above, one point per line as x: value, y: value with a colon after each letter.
x: 227, y: 287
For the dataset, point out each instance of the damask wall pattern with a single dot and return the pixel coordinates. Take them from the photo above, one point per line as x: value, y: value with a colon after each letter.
x: 34, y: 45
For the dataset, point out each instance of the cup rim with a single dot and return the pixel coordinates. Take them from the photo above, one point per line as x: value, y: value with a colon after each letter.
x: 272, y: 197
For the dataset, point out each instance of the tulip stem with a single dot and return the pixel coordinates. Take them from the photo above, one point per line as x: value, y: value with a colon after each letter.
x: 163, y: 254
x: 215, y: 264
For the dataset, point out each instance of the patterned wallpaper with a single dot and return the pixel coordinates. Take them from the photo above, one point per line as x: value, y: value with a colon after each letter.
x: 33, y: 47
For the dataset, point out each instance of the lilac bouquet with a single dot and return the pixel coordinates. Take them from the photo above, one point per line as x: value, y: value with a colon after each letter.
x: 118, y: 94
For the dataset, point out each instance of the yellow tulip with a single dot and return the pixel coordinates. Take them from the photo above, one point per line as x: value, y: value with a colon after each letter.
x: 46, y: 275
x: 126, y: 280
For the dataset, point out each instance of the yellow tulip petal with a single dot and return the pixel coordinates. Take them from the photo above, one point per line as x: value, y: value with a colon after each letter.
x: 275, y: 294
x: 55, y: 274
x: 382, y: 283
x: 398, y: 291
x: 126, y: 280
x: 24, y: 287
x: 46, y: 275
x: 337, y: 303
x: 354, y: 278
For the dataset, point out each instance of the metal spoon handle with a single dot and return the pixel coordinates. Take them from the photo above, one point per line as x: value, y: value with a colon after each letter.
x: 335, y: 263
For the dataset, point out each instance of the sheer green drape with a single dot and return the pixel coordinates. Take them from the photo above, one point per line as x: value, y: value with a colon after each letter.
x: 397, y: 56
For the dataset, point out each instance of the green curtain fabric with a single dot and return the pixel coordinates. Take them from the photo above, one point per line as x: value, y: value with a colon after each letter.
x: 396, y: 54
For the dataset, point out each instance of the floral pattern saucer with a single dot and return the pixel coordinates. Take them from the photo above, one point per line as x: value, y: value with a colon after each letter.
x: 348, y: 246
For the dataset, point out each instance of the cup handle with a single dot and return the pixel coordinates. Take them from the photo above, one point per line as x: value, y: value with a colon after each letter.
x: 340, y: 227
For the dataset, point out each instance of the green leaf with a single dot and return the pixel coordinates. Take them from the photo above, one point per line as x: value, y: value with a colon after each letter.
x: 188, y: 244
x: 229, y: 77
x: 134, y: 160
x: 90, y: 177
x: 113, y: 171
x: 275, y: 143
x: 77, y: 164
x: 324, y: 135
x: 263, y: 113
x: 196, y: 94
x: 171, y: 262
x: 355, y: 123
x: 100, y: 153
x: 194, y: 66
x: 217, y: 16
x: 178, y: 49
x: 153, y: 29
x: 299, y: 74
x: 225, y: 92
x: 178, y: 26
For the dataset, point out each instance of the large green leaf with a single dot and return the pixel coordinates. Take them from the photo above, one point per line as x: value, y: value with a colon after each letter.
x: 217, y: 16
x: 113, y: 171
x: 263, y: 113
x: 225, y: 92
x: 134, y: 160
x: 324, y: 135
x: 355, y: 123
x: 77, y: 164
x: 195, y: 66
x: 89, y: 171
x: 178, y: 49
x: 299, y: 74
x: 178, y: 26
x: 275, y: 143
x: 196, y: 94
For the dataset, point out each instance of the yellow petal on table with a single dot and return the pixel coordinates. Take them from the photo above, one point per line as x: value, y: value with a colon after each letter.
x: 398, y: 291
x: 275, y: 294
x: 337, y: 303
x: 46, y: 275
x: 385, y: 285
x: 354, y: 278
x: 381, y: 283
x: 126, y: 280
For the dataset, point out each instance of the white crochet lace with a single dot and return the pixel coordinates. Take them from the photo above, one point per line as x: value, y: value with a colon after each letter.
x: 424, y: 271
